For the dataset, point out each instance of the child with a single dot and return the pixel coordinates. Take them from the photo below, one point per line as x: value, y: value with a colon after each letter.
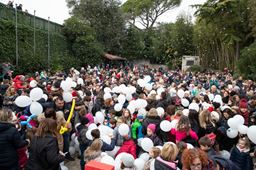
x: 184, y: 130
x: 206, y: 146
x: 181, y: 147
x: 112, y: 123
x: 151, y: 129
x: 153, y: 153
x: 240, y: 154
x: 137, y: 127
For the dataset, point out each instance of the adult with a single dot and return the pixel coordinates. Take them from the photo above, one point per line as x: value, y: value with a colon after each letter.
x: 10, y: 142
x: 44, y: 151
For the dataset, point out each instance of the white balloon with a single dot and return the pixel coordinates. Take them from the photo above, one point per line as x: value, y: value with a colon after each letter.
x: 165, y: 126
x: 72, y: 150
x: 185, y: 112
x: 147, y: 79
x: 148, y: 87
x: 131, y: 108
x: 139, y: 163
x: 242, y: 129
x: 232, y: 123
x: 67, y: 97
x: 107, y: 90
x: 132, y: 89
x: 189, y: 146
x: 36, y: 108
x: 63, y: 167
x: 106, y: 139
x: 211, y: 96
x: 239, y: 119
x: 23, y: 101
x: 108, y: 160
x: 121, y: 99
x: 92, y: 126
x: 113, y: 152
x: 147, y: 144
x: 73, y: 136
x: 184, y: 102
x: 174, y: 123
x: 73, y: 84
x: 36, y: 94
x: 181, y: 93
x: 251, y: 133
x: 123, y: 129
x: 118, y: 161
x: 116, y: 89
x: 194, y: 106
x: 144, y: 156
x: 160, y: 111
x: 142, y: 112
x: 118, y: 107
x: 80, y: 81
x: 66, y: 85
x: 88, y: 134
x: 232, y: 133
x: 141, y: 83
x: 107, y: 96
x: 128, y: 97
x: 160, y: 90
x: 100, y: 117
x: 45, y: 97
x: 33, y: 83
x: 141, y: 103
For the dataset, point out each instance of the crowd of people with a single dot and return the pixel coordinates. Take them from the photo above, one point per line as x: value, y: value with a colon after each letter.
x: 129, y: 117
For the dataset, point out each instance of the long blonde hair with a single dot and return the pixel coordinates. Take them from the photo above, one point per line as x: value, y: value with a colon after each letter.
x: 169, y: 152
x: 205, y: 118
x: 95, y: 147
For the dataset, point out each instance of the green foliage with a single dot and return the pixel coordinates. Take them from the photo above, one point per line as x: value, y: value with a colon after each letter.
x: 28, y: 62
x: 195, y: 68
x: 247, y: 62
x: 148, y: 11
x: 132, y: 44
x: 82, y: 41
x: 105, y: 17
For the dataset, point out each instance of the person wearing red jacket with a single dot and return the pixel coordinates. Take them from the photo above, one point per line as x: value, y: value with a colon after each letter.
x: 18, y: 82
x: 128, y: 146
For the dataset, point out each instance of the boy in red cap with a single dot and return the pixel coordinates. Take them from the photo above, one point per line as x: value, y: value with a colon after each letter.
x: 243, y: 110
x: 151, y: 129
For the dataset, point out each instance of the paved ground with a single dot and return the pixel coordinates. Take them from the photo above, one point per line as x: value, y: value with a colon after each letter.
x: 73, y: 165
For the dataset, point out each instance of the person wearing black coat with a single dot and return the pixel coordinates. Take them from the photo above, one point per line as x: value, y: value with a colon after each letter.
x: 240, y: 154
x: 44, y: 151
x: 151, y: 117
x: 10, y: 142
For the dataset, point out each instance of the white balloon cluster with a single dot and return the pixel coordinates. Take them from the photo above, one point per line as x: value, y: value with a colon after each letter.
x: 236, y: 125
x: 66, y: 87
x: 34, y: 95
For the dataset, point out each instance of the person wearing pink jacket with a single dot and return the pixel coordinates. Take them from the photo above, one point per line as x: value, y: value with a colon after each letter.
x: 183, y: 130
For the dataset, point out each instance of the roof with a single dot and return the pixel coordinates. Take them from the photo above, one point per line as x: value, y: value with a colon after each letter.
x: 113, y: 57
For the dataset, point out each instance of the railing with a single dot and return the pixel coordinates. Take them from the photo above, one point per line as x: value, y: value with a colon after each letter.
x: 8, y: 13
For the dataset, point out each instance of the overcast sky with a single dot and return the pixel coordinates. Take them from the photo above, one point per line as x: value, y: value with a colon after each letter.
x: 58, y: 11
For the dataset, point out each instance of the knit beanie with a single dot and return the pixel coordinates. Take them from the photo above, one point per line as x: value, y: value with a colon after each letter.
x: 152, y: 127
x: 243, y: 104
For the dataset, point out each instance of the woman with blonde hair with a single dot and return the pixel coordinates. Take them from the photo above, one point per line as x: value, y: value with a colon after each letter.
x: 10, y: 141
x: 166, y: 160
x: 206, y: 123
x: 93, y: 152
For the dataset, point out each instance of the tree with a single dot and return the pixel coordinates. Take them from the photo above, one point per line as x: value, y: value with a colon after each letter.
x: 230, y: 31
x: 82, y: 41
x: 148, y: 11
x: 105, y: 17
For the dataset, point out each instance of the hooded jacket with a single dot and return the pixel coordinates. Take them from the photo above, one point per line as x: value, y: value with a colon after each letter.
x: 10, y: 142
x: 44, y: 154
x: 129, y: 147
x: 241, y: 158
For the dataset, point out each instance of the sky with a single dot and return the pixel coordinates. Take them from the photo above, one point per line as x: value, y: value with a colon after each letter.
x: 58, y: 11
